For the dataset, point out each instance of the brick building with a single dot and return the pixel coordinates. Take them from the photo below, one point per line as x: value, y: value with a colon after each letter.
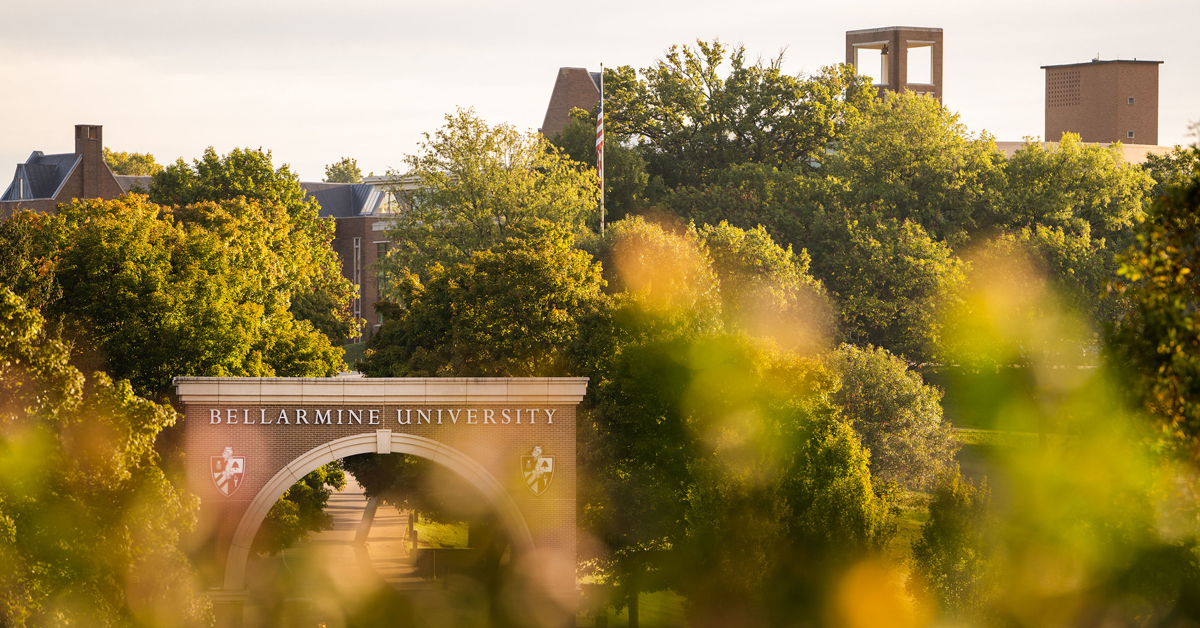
x: 574, y: 87
x: 1103, y: 101
x: 359, y: 239
x: 894, y: 44
x: 44, y: 181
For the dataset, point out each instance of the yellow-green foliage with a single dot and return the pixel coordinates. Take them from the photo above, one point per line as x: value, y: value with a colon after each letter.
x: 1093, y: 522
x: 140, y: 164
x: 164, y: 292
x: 450, y: 535
x: 90, y: 527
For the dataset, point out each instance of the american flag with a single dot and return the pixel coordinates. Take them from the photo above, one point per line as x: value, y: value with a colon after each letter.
x: 600, y: 147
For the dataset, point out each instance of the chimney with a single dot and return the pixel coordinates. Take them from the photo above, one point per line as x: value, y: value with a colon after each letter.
x: 89, y: 145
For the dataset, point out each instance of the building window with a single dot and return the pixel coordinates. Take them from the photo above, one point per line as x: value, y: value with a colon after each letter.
x: 1129, y: 134
x: 1130, y: 100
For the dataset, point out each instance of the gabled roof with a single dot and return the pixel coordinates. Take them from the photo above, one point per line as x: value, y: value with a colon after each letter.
x: 131, y: 181
x: 41, y: 176
x: 345, y: 200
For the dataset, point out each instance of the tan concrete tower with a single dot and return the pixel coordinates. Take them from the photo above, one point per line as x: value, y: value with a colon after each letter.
x: 894, y: 44
x: 1103, y: 101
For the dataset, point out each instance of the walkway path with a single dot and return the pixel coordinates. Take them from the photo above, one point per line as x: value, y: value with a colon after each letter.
x: 319, y: 578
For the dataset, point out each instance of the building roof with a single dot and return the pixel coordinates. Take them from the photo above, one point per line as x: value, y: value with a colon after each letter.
x: 1098, y: 61
x: 130, y: 181
x: 345, y: 200
x: 888, y: 29
x: 41, y: 176
x: 574, y: 87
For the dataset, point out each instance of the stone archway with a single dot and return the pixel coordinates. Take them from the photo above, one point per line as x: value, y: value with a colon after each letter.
x: 249, y: 439
x: 383, y: 442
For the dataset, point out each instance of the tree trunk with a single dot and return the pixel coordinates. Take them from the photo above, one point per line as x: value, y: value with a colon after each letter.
x: 633, y: 609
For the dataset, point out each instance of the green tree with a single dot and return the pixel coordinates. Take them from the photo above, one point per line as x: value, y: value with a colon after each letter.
x: 1078, y: 267
x: 511, y: 310
x: 300, y: 510
x: 952, y: 560
x: 419, y: 485
x: 164, y: 293
x: 726, y: 476
x: 29, y: 249
x: 1170, y: 170
x: 1159, y: 340
x: 481, y: 185
x: 344, y: 170
x: 139, y: 164
x: 766, y: 289
x: 625, y: 177
x: 249, y: 175
x: 912, y: 159
x: 241, y: 173
x: 890, y: 281
x: 781, y: 200
x: 695, y: 433
x: 691, y: 122
x: 1084, y: 189
x: 896, y: 415
x: 1095, y: 498
x: 90, y: 526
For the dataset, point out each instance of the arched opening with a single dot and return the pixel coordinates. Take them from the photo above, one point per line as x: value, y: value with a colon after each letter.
x: 384, y: 442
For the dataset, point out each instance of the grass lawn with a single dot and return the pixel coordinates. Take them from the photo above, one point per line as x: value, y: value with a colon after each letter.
x: 913, y: 515
x: 441, y: 535
x: 661, y: 609
x: 354, y: 353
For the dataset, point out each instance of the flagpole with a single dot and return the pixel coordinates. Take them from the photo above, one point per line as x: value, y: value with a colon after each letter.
x: 600, y: 148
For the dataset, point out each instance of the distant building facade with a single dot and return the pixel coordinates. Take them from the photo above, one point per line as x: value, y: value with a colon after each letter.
x: 359, y: 211
x: 44, y: 181
x: 894, y: 44
x: 574, y: 87
x: 1103, y: 101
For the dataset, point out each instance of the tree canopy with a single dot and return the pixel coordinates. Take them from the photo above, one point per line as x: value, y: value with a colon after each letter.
x: 510, y: 310
x: 625, y: 176
x: 344, y: 170
x: 140, y: 164
x: 90, y: 526
x: 147, y: 293
x: 481, y: 184
x: 891, y: 281
x: 897, y: 416
x: 1083, y: 189
x: 691, y: 122
x: 315, y: 286
x: 1159, y: 340
x: 164, y: 292
x: 913, y: 159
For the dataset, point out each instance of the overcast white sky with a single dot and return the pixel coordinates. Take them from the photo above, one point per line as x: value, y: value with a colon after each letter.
x: 317, y: 80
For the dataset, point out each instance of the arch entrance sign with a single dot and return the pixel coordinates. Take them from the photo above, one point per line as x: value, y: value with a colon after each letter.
x: 513, y: 439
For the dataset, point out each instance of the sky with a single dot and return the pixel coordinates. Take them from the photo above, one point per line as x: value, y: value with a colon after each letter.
x: 314, y: 81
